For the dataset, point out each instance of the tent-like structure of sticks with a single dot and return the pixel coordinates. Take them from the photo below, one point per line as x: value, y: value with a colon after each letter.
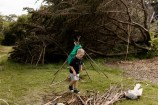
x: 72, y: 54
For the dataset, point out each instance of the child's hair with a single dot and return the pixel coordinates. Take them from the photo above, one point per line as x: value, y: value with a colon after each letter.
x: 80, y: 50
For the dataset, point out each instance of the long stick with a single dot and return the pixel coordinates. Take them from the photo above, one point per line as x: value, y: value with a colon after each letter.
x: 55, y: 74
x: 58, y: 82
x: 4, y: 101
x: 93, y: 66
x: 87, y: 72
x: 96, y: 64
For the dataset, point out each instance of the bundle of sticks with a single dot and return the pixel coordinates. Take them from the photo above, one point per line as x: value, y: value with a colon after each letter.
x: 109, y: 97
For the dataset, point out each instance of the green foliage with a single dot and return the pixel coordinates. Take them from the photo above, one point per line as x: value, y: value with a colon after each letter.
x: 102, y: 29
x: 23, y: 19
x: 1, y: 36
x: 154, y: 45
x: 27, y: 84
x: 9, y: 38
x: 1, y: 28
x: 154, y: 41
x: 14, y: 31
x: 6, y: 25
x: 10, y: 18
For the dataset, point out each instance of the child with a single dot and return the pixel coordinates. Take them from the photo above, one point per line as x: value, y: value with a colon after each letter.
x: 75, y: 68
x: 76, y: 47
x: 73, y: 52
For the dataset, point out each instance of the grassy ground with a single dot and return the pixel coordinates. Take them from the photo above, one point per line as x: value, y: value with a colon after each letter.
x: 27, y: 85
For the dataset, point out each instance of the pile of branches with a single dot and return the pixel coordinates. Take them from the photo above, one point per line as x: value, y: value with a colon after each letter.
x: 110, y: 97
x: 106, y: 27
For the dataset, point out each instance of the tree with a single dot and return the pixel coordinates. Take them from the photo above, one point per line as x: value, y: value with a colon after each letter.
x: 14, y: 31
x: 107, y: 28
x: 10, y: 18
x: 1, y: 27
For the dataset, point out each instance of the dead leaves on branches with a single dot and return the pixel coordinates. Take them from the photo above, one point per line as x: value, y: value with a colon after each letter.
x: 109, y: 97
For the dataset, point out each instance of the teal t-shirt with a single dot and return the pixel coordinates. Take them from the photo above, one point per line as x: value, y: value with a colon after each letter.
x: 73, y: 52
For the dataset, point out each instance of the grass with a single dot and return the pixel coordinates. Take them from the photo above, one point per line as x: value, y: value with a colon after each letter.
x: 27, y: 85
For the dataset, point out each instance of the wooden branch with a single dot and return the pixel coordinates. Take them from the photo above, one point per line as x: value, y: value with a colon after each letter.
x: 81, y: 99
x: 44, y: 51
x: 96, y: 64
x: 50, y: 102
x: 53, y: 84
x: 55, y: 74
x: 4, y: 101
x: 92, y: 65
x: 129, y: 28
x: 109, y: 55
x: 111, y: 96
x: 71, y: 101
x: 145, y: 14
x: 145, y: 47
x: 147, y: 34
x: 119, y: 27
x: 39, y: 57
x: 60, y: 46
x: 96, y: 52
x: 128, y: 23
x: 140, y: 26
x: 103, y: 12
x: 86, y: 71
x: 88, y: 100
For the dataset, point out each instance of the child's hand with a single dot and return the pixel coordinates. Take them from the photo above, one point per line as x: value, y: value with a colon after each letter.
x: 74, y: 73
x: 76, y: 42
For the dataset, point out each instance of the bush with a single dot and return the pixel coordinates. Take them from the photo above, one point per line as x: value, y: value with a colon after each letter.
x: 9, y: 38
x: 1, y: 37
x: 154, y: 45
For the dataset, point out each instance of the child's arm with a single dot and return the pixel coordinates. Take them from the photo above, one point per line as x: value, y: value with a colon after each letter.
x: 73, y: 70
x: 81, y: 67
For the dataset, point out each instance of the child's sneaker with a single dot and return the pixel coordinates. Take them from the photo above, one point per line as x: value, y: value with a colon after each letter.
x: 76, y: 91
x: 71, y: 88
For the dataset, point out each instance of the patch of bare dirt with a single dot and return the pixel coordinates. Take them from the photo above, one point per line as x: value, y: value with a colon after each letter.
x: 146, y: 69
